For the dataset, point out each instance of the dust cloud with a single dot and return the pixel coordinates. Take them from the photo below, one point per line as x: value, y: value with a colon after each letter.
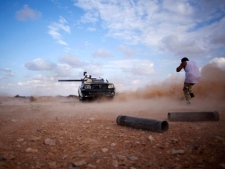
x: 168, y: 95
x: 156, y: 100
x: 212, y: 84
x: 153, y: 100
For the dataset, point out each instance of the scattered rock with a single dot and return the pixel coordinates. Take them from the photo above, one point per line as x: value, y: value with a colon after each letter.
x: 79, y: 138
x: 219, y: 138
x: 98, y: 161
x: 50, y: 142
x: 194, y: 146
x: 64, y: 157
x: 52, y: 164
x: 121, y: 157
x: 115, y: 163
x: 104, y: 150
x: 20, y: 140
x: 30, y: 150
x: 79, y: 162
x: 91, y: 166
x: 113, y: 144
x: 177, y: 151
x: 222, y: 166
x: 133, y: 158
x: 160, y: 146
x: 173, y: 141
x: 151, y: 138
x: 177, y: 159
x: 2, y: 159
x: 88, y: 122
x: 74, y: 167
x: 34, y: 138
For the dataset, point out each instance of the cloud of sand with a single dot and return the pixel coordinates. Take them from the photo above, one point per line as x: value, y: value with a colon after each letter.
x: 151, y: 101
x: 211, y: 85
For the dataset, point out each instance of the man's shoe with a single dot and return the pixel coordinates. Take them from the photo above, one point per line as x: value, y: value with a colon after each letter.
x: 192, y: 95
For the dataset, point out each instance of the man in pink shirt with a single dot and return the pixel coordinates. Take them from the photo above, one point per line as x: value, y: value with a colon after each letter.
x: 192, y: 76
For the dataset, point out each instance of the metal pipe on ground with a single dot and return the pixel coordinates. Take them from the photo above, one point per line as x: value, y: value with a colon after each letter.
x: 193, y: 116
x: 142, y: 123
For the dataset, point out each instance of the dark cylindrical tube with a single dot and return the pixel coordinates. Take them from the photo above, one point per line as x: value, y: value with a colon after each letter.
x: 143, y: 123
x: 193, y: 116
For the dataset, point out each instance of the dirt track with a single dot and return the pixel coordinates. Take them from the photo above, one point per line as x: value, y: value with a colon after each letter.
x: 65, y: 133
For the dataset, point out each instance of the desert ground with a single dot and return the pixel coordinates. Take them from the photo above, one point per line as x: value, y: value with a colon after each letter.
x: 64, y: 133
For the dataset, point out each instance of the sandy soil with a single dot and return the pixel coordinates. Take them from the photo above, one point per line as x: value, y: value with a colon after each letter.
x: 61, y: 132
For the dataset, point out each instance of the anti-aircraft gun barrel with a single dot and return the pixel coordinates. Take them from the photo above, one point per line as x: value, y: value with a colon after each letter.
x: 72, y: 80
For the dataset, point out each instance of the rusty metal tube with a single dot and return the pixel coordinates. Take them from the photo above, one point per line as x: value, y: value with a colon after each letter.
x: 193, y: 116
x: 142, y: 123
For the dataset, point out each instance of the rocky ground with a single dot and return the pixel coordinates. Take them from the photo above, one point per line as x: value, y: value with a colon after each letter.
x: 65, y: 133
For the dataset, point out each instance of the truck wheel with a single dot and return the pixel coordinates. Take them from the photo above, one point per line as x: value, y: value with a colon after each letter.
x: 81, y: 98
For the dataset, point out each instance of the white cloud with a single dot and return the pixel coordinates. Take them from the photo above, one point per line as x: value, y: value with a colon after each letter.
x: 91, y: 29
x: 27, y: 13
x: 10, y: 74
x: 33, y: 83
x: 63, y: 70
x: 6, y: 70
x: 178, y: 7
x: 41, y: 85
x: 216, y: 33
x: 40, y: 77
x: 56, y: 27
x: 39, y: 64
x: 102, y: 53
x: 135, y: 67
x: 181, y: 47
x: 7, y: 73
x: 95, y: 69
x: 179, y: 26
x: 219, y: 62
x: 38, y: 81
x: 89, y: 18
x: 72, y: 61
x: 126, y: 51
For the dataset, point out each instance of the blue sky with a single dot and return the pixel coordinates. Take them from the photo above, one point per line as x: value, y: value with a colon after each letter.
x: 130, y: 43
